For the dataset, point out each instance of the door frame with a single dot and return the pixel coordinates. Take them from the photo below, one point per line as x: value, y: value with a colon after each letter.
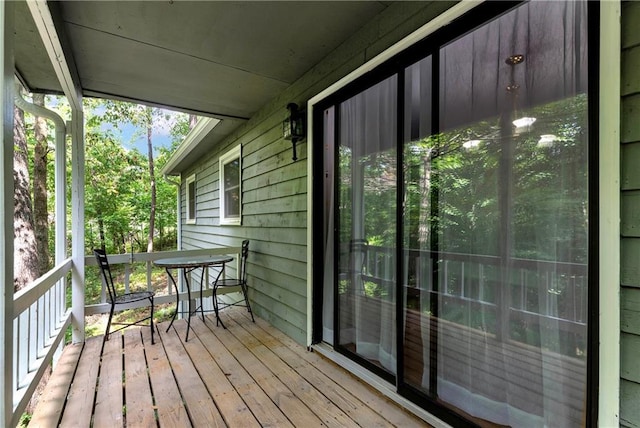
x: 604, y: 340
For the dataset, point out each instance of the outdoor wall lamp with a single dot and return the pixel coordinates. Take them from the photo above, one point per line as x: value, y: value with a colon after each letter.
x: 293, y: 127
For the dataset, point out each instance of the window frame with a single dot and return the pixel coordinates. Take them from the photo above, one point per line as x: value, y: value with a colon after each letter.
x: 191, y: 217
x: 230, y: 156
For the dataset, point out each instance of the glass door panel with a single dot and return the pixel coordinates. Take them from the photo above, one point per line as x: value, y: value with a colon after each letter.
x: 366, y: 239
x: 496, y: 220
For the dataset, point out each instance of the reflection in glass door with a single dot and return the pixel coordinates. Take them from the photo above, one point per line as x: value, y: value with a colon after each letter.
x: 491, y: 284
x: 366, y: 235
x: 495, y: 225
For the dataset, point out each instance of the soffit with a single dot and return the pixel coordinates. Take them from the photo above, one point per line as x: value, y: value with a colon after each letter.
x: 220, y: 59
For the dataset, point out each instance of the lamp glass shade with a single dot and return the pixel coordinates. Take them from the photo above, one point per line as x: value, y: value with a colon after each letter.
x: 287, y: 128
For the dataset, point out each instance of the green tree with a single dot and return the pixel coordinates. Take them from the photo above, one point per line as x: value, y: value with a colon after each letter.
x: 147, y: 209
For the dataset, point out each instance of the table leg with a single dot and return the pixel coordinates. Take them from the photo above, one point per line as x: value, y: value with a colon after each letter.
x: 201, y: 287
x: 184, y: 273
x: 175, y: 286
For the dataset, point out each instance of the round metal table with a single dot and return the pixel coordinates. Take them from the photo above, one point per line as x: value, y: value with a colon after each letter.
x: 189, y: 264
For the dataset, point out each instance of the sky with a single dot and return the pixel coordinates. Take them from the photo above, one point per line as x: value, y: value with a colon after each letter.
x: 132, y: 137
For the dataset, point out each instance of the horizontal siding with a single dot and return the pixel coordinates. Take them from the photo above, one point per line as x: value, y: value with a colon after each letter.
x: 274, y: 188
x: 630, y: 218
x: 629, y: 409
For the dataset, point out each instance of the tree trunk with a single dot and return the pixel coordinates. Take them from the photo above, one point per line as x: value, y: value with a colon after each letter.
x: 152, y: 176
x: 25, y: 251
x: 103, y: 242
x: 425, y: 201
x: 193, y: 120
x: 40, y: 209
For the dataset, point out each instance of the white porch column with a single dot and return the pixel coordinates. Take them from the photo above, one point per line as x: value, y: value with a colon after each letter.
x: 6, y: 212
x: 56, y: 45
x: 77, y: 221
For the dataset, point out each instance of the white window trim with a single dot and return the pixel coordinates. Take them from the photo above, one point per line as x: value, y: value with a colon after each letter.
x: 229, y: 156
x: 190, y: 217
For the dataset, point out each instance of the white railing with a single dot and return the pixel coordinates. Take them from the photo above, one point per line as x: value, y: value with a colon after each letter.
x: 40, y: 320
x: 41, y: 315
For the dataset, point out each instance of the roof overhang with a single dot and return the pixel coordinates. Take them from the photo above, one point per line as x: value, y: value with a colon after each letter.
x: 219, y: 59
x: 192, y: 147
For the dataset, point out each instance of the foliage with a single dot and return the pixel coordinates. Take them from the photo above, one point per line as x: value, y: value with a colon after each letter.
x: 25, y: 419
x: 117, y: 195
x: 483, y: 189
x: 120, y: 199
x: 458, y: 194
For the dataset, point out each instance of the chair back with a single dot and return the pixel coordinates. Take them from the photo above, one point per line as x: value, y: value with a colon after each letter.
x: 103, y: 262
x: 243, y: 260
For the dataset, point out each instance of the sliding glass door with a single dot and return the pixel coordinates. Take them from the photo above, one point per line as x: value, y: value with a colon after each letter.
x: 457, y: 219
x: 366, y: 215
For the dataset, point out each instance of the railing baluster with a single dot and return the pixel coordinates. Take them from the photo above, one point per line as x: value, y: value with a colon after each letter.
x: 103, y: 290
x: 481, y: 282
x: 127, y: 278
x: 43, y: 320
x: 571, y: 282
x: 149, y: 279
x: 31, y: 340
x: 39, y: 325
x: 24, y: 344
x: 446, y: 277
x: 523, y: 288
x: 16, y: 351
x: 462, y: 291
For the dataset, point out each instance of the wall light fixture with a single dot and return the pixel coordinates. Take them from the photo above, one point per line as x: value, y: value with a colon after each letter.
x: 293, y: 127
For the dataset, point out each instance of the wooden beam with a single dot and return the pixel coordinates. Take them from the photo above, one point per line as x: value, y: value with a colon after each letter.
x: 47, y: 18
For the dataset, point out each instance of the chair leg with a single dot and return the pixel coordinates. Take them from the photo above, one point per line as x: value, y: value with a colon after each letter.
x: 151, y: 320
x: 106, y: 332
x: 246, y: 300
x: 216, y: 307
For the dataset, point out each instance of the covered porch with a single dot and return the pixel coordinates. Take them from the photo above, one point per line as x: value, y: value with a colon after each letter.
x: 238, y: 65
x: 115, y: 51
x: 247, y: 375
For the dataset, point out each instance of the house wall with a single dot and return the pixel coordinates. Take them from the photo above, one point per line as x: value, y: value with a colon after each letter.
x: 274, y: 188
x: 630, y: 218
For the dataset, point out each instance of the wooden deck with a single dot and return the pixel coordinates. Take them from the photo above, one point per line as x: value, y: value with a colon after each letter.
x: 248, y: 375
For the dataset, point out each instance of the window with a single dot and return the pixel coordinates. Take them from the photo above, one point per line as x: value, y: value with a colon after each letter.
x: 191, y: 199
x: 231, y: 187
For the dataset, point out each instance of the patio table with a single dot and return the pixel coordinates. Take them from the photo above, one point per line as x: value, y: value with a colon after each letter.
x: 189, y: 264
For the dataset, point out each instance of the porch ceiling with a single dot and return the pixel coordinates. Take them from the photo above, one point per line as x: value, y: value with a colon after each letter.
x: 219, y: 59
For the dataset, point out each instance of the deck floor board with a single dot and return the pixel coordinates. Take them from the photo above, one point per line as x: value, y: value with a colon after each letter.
x: 247, y: 375
x: 79, y: 407
x: 167, y: 400
x: 139, y: 411
x: 49, y: 411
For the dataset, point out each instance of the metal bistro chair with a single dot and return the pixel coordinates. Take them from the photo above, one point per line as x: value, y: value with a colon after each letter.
x: 122, y: 298
x: 241, y: 282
